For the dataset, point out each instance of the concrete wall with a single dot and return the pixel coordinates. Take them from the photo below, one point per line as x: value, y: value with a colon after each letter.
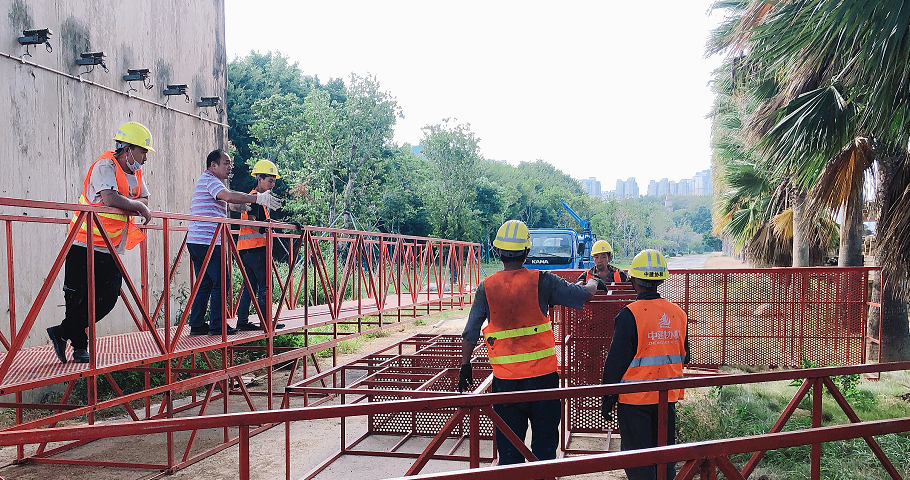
x: 52, y: 126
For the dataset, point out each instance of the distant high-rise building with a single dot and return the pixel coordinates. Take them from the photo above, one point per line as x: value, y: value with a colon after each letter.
x: 701, y: 183
x: 683, y: 187
x: 591, y: 186
x: 652, y: 189
x: 662, y: 186
x: 630, y: 187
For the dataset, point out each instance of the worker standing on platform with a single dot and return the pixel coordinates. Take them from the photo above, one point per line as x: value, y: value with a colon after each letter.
x: 602, y: 253
x: 650, y: 342
x: 251, y: 244
x: 210, y: 199
x: 114, y: 180
x: 519, y: 341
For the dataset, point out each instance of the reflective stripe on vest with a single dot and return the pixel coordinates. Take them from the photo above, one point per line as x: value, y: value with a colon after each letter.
x: 522, y: 357
x: 113, y: 223
x: 249, y: 236
x: 519, y: 337
x: 661, y: 327
x: 658, y: 360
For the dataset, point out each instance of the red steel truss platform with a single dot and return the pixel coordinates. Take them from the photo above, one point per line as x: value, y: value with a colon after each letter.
x: 332, y: 285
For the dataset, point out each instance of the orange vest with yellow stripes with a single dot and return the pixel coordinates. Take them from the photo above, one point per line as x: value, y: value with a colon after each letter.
x: 661, y: 326
x: 114, y: 223
x: 249, y: 236
x: 519, y: 337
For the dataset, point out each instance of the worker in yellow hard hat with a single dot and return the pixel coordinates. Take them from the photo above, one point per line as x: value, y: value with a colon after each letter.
x: 251, y: 243
x: 211, y: 199
x: 602, y: 253
x: 114, y: 180
x: 650, y: 342
x: 519, y: 340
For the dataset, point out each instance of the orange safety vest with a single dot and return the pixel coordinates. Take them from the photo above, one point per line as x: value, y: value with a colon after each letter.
x: 617, y: 278
x: 519, y: 336
x: 661, y: 326
x: 250, y: 236
x: 113, y: 223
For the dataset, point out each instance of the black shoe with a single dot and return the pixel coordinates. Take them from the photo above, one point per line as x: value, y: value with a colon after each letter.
x: 80, y: 355
x: 279, y: 326
x: 199, y: 330
x: 58, y: 342
x: 230, y: 331
x: 248, y: 327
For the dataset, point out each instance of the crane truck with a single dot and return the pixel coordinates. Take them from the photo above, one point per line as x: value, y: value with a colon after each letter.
x: 558, y: 248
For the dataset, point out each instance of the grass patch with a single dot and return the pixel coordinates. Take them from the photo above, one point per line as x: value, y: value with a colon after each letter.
x: 742, y: 410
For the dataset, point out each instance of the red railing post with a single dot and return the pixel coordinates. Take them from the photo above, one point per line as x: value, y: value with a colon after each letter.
x: 244, y: 462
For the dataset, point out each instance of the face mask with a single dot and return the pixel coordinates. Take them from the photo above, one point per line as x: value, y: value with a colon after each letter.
x: 133, y: 164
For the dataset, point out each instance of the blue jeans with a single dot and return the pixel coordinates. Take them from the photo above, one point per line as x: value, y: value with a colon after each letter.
x: 544, y: 417
x: 254, y: 264
x: 210, y: 288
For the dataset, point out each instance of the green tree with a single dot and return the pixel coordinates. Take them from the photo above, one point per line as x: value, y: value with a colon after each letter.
x: 453, y: 151
x: 250, y: 79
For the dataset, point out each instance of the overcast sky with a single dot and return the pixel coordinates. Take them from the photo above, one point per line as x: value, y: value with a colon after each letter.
x: 603, y: 88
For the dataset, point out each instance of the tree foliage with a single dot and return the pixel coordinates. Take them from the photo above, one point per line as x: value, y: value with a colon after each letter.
x: 333, y: 144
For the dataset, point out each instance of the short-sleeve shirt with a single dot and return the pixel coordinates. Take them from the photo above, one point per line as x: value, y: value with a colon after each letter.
x: 104, y: 177
x: 205, y: 204
x: 551, y: 290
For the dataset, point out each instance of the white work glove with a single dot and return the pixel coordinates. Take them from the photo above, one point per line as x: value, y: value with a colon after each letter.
x: 267, y: 200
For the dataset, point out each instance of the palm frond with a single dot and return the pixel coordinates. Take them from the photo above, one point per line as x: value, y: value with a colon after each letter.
x: 841, y: 180
x: 810, y: 130
x: 782, y: 224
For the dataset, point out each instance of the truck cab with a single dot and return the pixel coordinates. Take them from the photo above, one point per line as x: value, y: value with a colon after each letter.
x: 558, y: 248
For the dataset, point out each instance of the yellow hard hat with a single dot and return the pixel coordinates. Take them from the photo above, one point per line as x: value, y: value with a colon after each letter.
x: 601, y: 246
x: 513, y: 236
x: 649, y: 265
x: 265, y: 167
x: 135, y: 134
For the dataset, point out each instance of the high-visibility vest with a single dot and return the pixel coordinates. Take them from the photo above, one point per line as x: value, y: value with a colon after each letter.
x: 114, y: 223
x: 661, y: 326
x: 519, y: 337
x: 249, y: 236
x: 617, y: 277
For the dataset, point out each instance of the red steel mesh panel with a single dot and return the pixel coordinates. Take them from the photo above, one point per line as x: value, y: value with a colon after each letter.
x: 589, y: 333
x: 569, y: 275
x: 773, y: 317
x: 422, y: 370
x: 761, y: 317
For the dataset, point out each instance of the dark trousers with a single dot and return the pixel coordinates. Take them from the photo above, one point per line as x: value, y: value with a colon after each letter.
x: 254, y: 264
x: 210, y: 288
x: 108, y: 280
x: 544, y: 417
x: 638, y: 429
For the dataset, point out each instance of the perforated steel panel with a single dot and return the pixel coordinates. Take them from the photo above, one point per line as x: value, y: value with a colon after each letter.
x: 757, y: 317
x: 589, y: 332
x: 773, y: 317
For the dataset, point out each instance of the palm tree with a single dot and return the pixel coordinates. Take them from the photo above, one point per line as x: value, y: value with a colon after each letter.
x: 843, y: 70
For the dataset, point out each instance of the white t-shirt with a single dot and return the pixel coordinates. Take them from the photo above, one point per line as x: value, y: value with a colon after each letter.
x: 104, y: 177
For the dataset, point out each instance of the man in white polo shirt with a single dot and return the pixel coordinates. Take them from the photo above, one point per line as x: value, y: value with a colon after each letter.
x: 210, y: 199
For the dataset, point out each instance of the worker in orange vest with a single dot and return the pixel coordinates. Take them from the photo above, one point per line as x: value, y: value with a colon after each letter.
x: 114, y: 180
x: 602, y: 253
x: 519, y: 340
x: 650, y: 342
x: 251, y: 243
